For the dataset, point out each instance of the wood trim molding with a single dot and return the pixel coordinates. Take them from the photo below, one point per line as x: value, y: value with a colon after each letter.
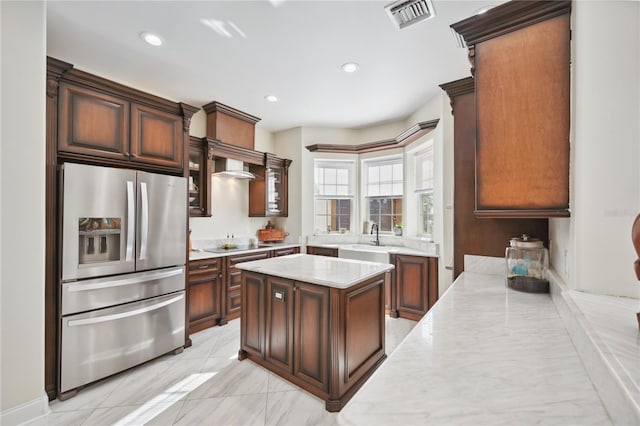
x: 508, y: 17
x: 457, y: 88
x: 215, y: 106
x: 225, y: 150
x: 187, y: 112
x: 521, y: 214
x: 403, y: 139
x: 86, y: 79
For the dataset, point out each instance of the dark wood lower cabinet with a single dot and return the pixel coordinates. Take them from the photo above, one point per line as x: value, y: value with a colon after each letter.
x: 414, y: 288
x: 205, y: 293
x: 279, y: 323
x: 232, y: 300
x: 326, y: 340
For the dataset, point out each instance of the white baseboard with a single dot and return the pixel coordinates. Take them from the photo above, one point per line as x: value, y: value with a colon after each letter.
x: 25, y: 412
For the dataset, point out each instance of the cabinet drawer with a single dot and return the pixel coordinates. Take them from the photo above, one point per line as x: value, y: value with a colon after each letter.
x: 286, y: 251
x: 234, y: 260
x: 234, y: 303
x: 234, y: 279
x: 205, y: 268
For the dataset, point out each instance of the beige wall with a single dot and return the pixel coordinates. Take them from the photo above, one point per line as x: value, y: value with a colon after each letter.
x: 592, y: 250
x: 22, y: 213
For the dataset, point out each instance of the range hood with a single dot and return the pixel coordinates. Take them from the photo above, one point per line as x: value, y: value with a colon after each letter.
x: 231, y: 168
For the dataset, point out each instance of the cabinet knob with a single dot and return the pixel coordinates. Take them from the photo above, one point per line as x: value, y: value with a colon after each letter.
x: 203, y: 267
x: 126, y: 154
x: 279, y: 295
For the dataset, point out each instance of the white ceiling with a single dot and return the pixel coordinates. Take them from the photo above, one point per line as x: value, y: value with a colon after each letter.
x: 293, y: 49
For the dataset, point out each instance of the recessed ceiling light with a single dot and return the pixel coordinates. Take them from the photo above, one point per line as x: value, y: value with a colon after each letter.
x: 151, y: 38
x: 350, y: 67
x: 271, y: 98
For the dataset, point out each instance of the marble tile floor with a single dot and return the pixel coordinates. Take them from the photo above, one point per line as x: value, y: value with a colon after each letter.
x: 204, y: 385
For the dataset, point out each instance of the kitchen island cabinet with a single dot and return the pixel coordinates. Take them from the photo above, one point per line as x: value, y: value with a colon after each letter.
x: 318, y: 322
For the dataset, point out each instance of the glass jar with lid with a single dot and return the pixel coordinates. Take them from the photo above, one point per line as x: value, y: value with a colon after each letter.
x: 527, y: 261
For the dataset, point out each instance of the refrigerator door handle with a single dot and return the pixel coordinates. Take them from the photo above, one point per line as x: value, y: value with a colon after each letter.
x: 130, y: 221
x: 113, y: 317
x: 83, y: 286
x: 144, y: 232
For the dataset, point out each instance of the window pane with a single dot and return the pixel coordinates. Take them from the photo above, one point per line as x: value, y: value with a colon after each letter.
x: 342, y: 177
x: 321, y: 206
x: 342, y: 190
x: 385, y: 189
x: 373, y: 175
x: 396, y: 189
x: 385, y: 173
x: 330, y: 176
x: 320, y: 175
x: 397, y: 171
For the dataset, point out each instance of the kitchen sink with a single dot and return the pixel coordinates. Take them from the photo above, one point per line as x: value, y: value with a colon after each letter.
x: 369, y: 253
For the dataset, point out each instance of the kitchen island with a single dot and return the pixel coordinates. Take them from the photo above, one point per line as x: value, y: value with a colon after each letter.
x: 316, y: 321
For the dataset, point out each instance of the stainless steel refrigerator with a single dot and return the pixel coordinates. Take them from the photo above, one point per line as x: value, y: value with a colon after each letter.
x: 122, y: 299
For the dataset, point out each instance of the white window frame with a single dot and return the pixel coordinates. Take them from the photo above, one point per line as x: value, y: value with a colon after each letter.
x: 389, y: 189
x: 340, y: 164
x: 424, y: 164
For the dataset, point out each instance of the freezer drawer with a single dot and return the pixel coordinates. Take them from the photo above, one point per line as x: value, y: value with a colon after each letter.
x: 104, y: 342
x: 87, y: 295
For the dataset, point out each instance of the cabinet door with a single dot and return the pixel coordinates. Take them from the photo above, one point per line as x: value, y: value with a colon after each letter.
x: 253, y: 323
x: 523, y: 120
x: 92, y: 123
x: 412, y: 274
x: 156, y: 137
x: 279, y: 333
x: 204, y: 306
x: 311, y: 334
x: 199, y: 179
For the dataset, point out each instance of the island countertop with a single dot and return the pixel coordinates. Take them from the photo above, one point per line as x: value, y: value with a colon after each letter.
x: 322, y: 270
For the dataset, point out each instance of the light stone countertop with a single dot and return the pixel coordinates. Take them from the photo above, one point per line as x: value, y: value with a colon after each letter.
x: 322, y: 270
x: 200, y: 254
x: 483, y: 355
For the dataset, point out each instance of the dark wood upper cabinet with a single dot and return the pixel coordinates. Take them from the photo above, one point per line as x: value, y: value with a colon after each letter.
x: 156, y: 137
x: 92, y: 123
x: 199, y: 177
x: 230, y: 125
x: 269, y: 191
x: 103, y: 122
x: 520, y: 52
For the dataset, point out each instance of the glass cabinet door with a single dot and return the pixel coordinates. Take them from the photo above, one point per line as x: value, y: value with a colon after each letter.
x: 275, y: 191
x: 199, y: 175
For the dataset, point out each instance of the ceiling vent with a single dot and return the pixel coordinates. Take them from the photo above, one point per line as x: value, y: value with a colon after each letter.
x: 408, y: 12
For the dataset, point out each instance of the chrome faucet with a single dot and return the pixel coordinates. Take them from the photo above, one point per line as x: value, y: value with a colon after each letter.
x: 375, y: 242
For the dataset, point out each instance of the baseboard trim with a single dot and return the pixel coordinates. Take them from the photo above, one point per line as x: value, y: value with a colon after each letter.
x: 26, y: 412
